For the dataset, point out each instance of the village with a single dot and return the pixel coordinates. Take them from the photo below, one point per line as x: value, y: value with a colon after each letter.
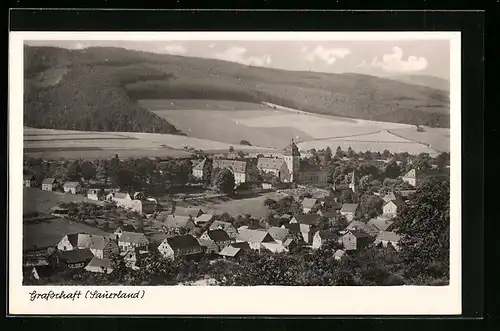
x: 306, y: 212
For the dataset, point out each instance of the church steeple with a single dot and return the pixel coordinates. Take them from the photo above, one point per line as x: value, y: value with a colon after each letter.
x: 352, y: 185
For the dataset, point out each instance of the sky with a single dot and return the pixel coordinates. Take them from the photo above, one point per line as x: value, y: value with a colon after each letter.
x: 374, y: 57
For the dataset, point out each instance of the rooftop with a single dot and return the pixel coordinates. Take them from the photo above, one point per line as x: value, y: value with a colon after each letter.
x: 183, y: 242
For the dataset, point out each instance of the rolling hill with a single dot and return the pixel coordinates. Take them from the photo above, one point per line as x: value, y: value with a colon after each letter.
x: 425, y: 80
x: 97, y: 89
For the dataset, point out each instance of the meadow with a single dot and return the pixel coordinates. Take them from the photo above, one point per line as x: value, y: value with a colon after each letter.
x: 40, y: 234
x: 36, y: 200
x: 56, y: 144
x: 274, y: 126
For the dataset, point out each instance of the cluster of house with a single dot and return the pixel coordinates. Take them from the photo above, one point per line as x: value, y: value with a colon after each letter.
x: 135, y: 201
x: 287, y: 166
x: 94, y: 252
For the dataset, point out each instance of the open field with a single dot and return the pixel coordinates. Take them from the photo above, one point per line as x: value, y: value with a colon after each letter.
x: 232, y: 121
x: 36, y: 200
x: 55, y: 144
x: 39, y: 234
x: 253, y: 206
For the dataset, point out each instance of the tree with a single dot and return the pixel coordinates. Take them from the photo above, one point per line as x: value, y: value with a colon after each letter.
x: 339, y: 153
x: 350, y: 153
x: 245, y: 142
x: 231, y: 149
x: 371, y: 205
x: 74, y: 171
x: 241, y: 154
x: 424, y: 226
x: 254, y: 175
x: 224, y: 181
x: 392, y: 170
x: 328, y: 155
x: 89, y: 171
x: 386, y: 154
x: 207, y: 171
x: 442, y: 160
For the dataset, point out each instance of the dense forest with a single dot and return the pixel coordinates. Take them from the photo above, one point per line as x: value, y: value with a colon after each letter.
x: 97, y: 88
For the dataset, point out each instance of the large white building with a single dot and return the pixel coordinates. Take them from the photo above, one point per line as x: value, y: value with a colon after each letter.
x: 285, y: 165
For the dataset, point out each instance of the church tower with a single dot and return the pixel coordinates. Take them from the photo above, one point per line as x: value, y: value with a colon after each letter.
x: 292, y: 160
x: 352, y: 185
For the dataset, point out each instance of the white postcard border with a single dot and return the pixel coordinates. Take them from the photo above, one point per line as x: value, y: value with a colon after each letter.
x: 260, y: 300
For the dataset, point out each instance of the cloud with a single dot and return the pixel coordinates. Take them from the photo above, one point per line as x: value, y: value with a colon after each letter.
x: 394, y: 62
x: 363, y: 64
x: 79, y: 46
x: 237, y: 54
x: 175, y: 49
x: 328, y: 55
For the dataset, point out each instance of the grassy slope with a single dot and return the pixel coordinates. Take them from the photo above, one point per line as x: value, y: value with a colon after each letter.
x: 155, y: 76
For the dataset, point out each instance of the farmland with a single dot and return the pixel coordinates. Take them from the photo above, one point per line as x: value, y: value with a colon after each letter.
x: 231, y: 122
x: 39, y: 234
x: 55, y: 144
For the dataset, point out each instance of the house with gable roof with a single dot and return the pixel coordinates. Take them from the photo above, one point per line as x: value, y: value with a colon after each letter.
x: 50, y: 184
x: 29, y: 181
x: 74, y: 241
x: 72, y: 187
x: 388, y: 237
x: 310, y: 205
x: 127, y: 240
x: 411, y: 177
x: 177, y: 222
x: 275, y: 166
x: 230, y: 252
x: 103, y: 247
x: 307, y: 225
x: 356, y: 240
x: 360, y: 225
x: 185, y: 245
x: 278, y: 234
x: 381, y: 223
x: 226, y: 226
x: 203, y: 219
x: 217, y: 236
x: 390, y: 208
x: 349, y: 210
x: 254, y: 238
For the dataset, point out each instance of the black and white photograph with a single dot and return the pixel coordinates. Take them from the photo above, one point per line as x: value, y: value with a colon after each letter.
x: 217, y: 161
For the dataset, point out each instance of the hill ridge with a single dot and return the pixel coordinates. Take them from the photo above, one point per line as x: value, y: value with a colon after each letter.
x: 104, y: 84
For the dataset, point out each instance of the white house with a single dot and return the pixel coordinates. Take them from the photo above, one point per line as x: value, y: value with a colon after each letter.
x: 411, y: 177
x: 74, y: 241
x: 323, y: 236
x: 72, y: 187
x: 49, y: 184
x: 94, y: 194
x: 391, y: 208
x: 254, y: 238
x: 128, y: 240
x: 180, y: 246
x: 339, y: 254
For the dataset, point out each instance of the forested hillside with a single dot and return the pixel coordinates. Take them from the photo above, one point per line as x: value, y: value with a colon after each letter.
x: 97, y: 89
